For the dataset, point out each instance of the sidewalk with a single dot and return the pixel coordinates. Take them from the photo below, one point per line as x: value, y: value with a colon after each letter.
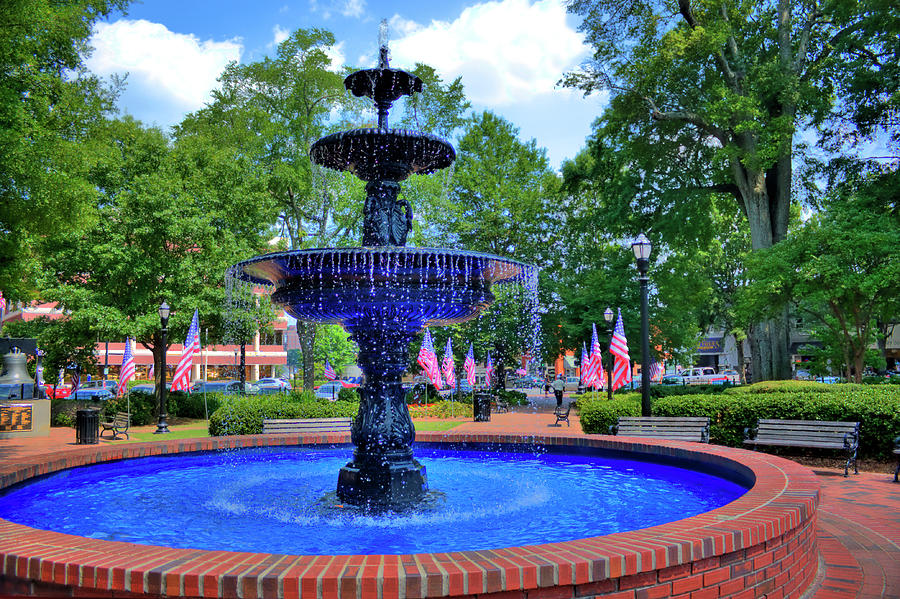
x: 859, y: 516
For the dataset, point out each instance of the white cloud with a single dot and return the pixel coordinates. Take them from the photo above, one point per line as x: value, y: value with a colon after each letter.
x: 337, y: 56
x: 176, y: 69
x: 353, y: 9
x: 279, y: 34
x: 506, y: 51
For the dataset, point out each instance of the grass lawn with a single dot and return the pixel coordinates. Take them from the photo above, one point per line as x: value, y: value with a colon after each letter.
x: 436, y: 425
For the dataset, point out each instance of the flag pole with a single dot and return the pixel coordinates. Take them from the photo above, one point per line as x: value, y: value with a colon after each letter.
x: 206, y: 373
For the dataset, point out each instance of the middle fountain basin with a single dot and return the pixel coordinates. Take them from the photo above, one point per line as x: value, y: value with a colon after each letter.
x: 417, y: 286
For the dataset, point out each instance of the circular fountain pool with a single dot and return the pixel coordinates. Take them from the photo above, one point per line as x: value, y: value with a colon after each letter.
x: 282, y: 501
x: 762, y: 542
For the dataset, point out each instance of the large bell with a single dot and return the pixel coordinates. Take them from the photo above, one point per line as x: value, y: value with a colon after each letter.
x: 15, y: 373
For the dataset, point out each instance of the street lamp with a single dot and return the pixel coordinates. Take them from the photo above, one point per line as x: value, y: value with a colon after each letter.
x: 162, y: 426
x: 608, y: 317
x: 641, y: 247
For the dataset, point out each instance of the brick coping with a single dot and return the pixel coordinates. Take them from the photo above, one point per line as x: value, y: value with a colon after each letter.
x: 776, y: 514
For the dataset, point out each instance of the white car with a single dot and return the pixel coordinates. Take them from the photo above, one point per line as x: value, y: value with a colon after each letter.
x: 273, y: 382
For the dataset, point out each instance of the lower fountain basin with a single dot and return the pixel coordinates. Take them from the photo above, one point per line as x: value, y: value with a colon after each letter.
x: 763, y: 542
x: 412, y: 287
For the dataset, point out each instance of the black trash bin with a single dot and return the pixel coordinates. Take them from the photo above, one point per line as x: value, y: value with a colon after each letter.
x: 482, y: 407
x: 87, y: 427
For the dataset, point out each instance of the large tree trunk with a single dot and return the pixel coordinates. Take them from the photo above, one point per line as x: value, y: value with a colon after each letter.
x: 306, y: 332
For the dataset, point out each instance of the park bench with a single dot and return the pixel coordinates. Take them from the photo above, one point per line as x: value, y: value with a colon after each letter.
x: 118, y: 425
x: 501, y: 405
x: 562, y: 415
x: 673, y: 428
x: 306, y: 425
x: 816, y: 434
x: 897, y: 453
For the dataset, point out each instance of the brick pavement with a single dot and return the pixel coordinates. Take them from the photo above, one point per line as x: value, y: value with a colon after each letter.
x: 859, y: 517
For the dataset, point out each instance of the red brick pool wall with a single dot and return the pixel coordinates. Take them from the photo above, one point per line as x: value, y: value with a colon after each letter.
x: 761, y: 545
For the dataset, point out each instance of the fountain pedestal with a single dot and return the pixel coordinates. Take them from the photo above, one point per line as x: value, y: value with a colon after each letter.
x: 383, y: 471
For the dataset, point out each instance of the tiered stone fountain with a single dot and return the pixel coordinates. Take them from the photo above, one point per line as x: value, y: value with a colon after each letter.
x: 383, y: 293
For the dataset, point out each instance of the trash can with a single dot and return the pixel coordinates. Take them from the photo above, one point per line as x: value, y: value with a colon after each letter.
x: 481, y: 405
x: 87, y: 427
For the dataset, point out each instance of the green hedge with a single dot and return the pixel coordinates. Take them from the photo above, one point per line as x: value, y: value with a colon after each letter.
x: 245, y: 415
x: 513, y: 398
x: 876, y: 408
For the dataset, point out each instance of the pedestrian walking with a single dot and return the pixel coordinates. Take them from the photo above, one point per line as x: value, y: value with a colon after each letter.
x: 559, y: 386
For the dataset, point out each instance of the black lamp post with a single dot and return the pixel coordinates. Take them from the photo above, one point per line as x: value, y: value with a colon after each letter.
x: 608, y: 317
x: 642, y: 248
x: 162, y: 426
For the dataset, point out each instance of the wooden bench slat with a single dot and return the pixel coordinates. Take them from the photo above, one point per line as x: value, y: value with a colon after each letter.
x: 307, y: 425
x: 818, y: 434
x: 676, y: 428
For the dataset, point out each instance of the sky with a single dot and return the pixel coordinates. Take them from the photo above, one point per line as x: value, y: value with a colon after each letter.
x: 509, y: 53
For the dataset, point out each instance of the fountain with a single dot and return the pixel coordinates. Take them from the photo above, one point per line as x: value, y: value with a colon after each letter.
x: 763, y: 542
x: 383, y: 293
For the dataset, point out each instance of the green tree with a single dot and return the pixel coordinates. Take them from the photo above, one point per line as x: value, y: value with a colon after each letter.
x: 708, y: 98
x: 840, y: 268
x: 334, y: 344
x: 49, y: 109
x: 272, y: 111
x: 502, y: 192
x: 170, y: 220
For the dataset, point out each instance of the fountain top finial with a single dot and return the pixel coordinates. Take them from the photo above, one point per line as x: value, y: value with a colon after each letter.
x: 383, y: 84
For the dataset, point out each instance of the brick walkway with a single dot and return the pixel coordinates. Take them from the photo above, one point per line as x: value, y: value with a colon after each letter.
x: 859, y: 517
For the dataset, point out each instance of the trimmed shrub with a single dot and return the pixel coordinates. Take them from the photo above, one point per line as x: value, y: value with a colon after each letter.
x: 670, y: 390
x: 348, y: 394
x: 597, y: 413
x: 245, y: 415
x: 513, y: 398
x: 442, y: 409
x: 876, y: 408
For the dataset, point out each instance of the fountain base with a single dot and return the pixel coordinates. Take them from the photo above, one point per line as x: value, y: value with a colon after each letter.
x: 390, y: 484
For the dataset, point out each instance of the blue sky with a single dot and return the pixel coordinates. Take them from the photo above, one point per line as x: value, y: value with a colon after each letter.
x: 509, y: 53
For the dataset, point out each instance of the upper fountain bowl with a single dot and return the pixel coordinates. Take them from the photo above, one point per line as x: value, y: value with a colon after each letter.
x: 383, y: 154
x: 411, y: 287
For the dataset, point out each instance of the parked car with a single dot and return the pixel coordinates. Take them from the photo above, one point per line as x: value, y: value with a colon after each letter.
x: 146, y: 389
x: 95, y: 390
x: 329, y: 390
x: 732, y: 376
x: 269, y: 383
x: 61, y: 392
x: 227, y: 387
x: 571, y: 385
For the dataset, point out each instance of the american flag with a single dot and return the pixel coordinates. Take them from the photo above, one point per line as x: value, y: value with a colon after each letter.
x: 584, y: 362
x: 152, y: 370
x: 60, y: 378
x: 329, y: 371
x: 656, y: 369
x: 126, y: 373
x: 469, y: 367
x: 76, y: 381
x: 2, y: 303
x: 595, y: 362
x: 449, y: 367
x: 618, y: 346
x: 182, y: 379
x: 429, y: 361
x: 488, y: 370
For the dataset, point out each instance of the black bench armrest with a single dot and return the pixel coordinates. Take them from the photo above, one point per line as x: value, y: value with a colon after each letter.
x: 851, y: 440
x: 750, y: 433
x: 614, y: 429
x: 897, y: 444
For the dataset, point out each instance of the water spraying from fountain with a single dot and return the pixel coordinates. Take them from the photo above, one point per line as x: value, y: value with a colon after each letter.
x: 383, y: 293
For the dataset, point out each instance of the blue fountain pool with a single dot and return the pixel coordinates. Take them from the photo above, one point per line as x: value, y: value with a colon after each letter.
x: 282, y: 501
